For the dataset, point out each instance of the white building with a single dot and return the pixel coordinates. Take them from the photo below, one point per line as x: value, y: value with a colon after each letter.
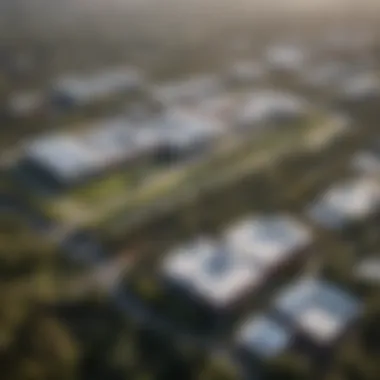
x: 246, y: 73
x: 361, y: 87
x: 69, y: 158
x: 187, y: 91
x: 25, y: 104
x: 270, y: 106
x: 318, y: 310
x: 326, y: 74
x: 263, y: 337
x: 83, y: 90
x: 348, y: 202
x: 288, y: 57
x: 367, y: 162
x: 222, y: 108
x: 268, y: 241
x: 369, y: 270
x: 208, y: 271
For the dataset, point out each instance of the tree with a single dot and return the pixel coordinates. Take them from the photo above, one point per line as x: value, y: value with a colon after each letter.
x: 34, y: 345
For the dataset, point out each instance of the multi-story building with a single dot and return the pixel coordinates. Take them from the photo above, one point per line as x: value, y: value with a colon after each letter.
x: 84, y: 90
x: 347, y: 203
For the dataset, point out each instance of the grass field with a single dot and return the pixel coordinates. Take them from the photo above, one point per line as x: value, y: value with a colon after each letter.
x: 122, y: 195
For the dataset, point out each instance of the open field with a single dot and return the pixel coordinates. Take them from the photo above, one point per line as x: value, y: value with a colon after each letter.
x: 226, y: 165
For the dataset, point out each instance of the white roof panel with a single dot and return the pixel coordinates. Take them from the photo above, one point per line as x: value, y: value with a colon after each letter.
x: 263, y: 337
x: 211, y: 272
x: 73, y: 156
x: 268, y: 240
x: 266, y: 105
x: 348, y: 202
x: 321, y: 310
x: 87, y: 88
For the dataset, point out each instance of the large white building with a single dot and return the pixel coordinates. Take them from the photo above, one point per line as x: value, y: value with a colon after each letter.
x: 268, y: 240
x: 82, y: 90
x: 187, y: 91
x: 69, y: 158
x: 348, y: 202
x: 317, y: 310
x: 205, y: 269
x: 271, y: 106
x: 221, y: 272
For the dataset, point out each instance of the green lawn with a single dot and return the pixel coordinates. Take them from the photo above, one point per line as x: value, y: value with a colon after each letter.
x: 104, y: 201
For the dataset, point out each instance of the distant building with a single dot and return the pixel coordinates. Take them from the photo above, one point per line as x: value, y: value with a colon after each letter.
x: 76, y: 90
x: 326, y: 75
x: 319, y: 313
x: 245, y: 73
x: 185, y: 132
x: 187, y: 91
x: 207, y: 272
x: 271, y: 241
x: 361, y: 87
x: 262, y: 337
x: 368, y: 270
x: 285, y: 57
x: 349, y: 202
x: 367, y: 162
x: 59, y: 161
x: 25, y: 104
x: 222, y: 108
x: 273, y: 107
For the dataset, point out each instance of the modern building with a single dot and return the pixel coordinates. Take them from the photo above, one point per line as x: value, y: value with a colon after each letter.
x: 77, y: 90
x: 368, y: 270
x: 269, y: 241
x: 187, y: 91
x: 25, y: 104
x: 367, y: 162
x: 263, y: 338
x: 347, y: 203
x: 285, y: 57
x: 271, y: 107
x: 59, y: 161
x: 245, y: 73
x: 185, y: 132
x: 222, y: 108
x: 327, y: 74
x: 318, y: 312
x: 360, y: 88
x: 208, y: 273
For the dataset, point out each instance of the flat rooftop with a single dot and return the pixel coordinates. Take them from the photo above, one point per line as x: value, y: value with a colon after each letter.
x: 286, y: 56
x: 71, y: 156
x: 362, y: 85
x: 368, y: 160
x: 319, y: 309
x: 90, y: 87
x: 369, y: 269
x: 189, y: 90
x: 263, y: 337
x: 350, y: 201
x: 208, y: 270
x: 268, y: 105
x: 268, y: 240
